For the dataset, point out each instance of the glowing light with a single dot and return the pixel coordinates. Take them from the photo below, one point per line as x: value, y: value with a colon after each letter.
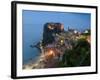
x: 75, y: 31
x: 62, y: 41
x: 51, y: 52
x: 50, y: 27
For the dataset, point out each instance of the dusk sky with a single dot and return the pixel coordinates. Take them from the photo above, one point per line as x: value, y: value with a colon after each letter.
x: 33, y: 23
x: 73, y: 20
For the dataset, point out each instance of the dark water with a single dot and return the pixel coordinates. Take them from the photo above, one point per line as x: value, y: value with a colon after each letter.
x: 31, y: 36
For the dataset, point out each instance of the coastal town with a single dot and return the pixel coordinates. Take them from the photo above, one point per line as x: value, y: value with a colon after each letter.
x: 62, y: 48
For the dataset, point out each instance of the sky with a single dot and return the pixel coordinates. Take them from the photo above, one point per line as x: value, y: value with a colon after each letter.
x: 79, y: 21
x: 33, y: 23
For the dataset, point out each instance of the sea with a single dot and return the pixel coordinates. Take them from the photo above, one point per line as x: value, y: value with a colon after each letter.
x: 32, y: 34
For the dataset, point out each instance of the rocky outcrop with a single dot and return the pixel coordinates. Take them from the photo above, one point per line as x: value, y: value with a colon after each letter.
x: 49, y: 30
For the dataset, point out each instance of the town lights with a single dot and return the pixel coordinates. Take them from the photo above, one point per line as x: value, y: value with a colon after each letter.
x: 75, y: 31
x: 51, y: 52
x: 61, y: 42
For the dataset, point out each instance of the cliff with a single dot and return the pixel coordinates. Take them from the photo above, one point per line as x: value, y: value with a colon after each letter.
x: 49, y: 30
